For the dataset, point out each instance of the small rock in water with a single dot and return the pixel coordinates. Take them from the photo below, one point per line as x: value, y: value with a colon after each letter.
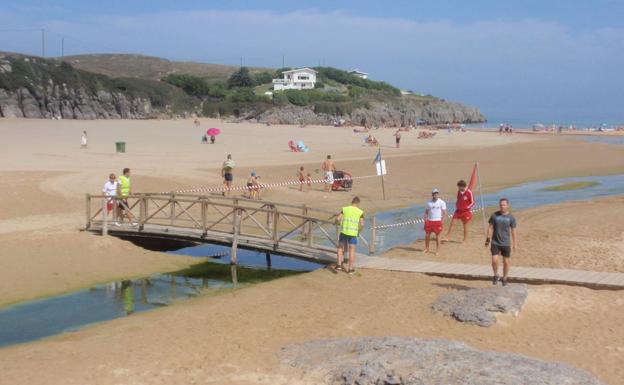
x: 477, y: 306
x: 413, y: 361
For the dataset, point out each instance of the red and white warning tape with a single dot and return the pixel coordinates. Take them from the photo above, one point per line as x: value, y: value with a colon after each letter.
x: 263, y: 185
x: 414, y: 221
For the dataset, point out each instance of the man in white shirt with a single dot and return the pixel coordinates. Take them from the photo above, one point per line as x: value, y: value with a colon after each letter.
x: 110, y: 192
x: 435, y: 212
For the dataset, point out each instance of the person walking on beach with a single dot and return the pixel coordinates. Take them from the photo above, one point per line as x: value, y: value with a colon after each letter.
x: 253, y: 186
x: 124, y: 190
x: 435, y: 212
x: 463, y: 209
x: 328, y: 168
x: 110, y: 192
x: 84, y: 140
x: 351, y: 220
x: 302, y: 178
x: 227, y: 174
x: 502, y: 237
x: 397, y: 138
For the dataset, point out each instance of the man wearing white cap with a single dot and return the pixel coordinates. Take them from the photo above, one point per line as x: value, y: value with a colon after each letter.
x: 435, y: 212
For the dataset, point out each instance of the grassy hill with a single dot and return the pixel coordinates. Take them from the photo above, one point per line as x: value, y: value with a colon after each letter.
x: 149, y: 67
x: 136, y: 86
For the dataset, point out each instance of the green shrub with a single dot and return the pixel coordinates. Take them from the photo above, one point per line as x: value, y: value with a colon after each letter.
x: 297, y: 97
x: 263, y: 78
x: 280, y: 98
x: 192, y: 85
x: 240, y: 78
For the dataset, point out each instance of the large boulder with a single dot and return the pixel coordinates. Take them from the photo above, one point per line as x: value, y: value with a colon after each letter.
x: 479, y: 306
x: 413, y: 361
x: 30, y: 106
x: 9, y: 105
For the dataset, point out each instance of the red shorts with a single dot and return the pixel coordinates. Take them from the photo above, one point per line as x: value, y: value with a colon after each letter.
x: 109, y: 205
x: 464, y: 215
x: 433, y: 227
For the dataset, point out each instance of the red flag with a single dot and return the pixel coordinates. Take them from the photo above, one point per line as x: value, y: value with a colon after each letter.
x: 473, y: 178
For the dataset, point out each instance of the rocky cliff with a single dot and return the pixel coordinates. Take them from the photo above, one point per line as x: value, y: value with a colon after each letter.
x: 38, y: 88
x: 402, y: 114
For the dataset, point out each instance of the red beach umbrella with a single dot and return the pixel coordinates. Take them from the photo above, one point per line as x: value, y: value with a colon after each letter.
x: 213, y: 131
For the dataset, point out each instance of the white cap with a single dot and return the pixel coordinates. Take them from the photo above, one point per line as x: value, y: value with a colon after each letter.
x: 435, y: 190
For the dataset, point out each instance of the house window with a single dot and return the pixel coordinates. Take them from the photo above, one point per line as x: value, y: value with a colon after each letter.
x: 304, y: 77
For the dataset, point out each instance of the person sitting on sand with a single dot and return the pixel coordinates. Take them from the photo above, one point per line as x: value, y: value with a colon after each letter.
x: 253, y: 186
x: 435, y: 212
x: 351, y: 221
x: 502, y: 234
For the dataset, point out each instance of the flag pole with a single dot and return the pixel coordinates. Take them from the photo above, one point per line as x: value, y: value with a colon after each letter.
x: 383, y: 186
x: 481, y: 198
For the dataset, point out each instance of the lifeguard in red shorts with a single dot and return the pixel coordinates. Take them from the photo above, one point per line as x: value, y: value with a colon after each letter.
x: 435, y: 212
x: 463, y: 209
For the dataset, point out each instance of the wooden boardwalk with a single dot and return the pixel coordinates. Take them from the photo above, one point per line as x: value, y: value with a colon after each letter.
x: 298, y: 231
x: 534, y: 275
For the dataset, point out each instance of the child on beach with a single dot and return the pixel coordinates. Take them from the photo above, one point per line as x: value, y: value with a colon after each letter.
x: 253, y: 187
x: 303, y: 178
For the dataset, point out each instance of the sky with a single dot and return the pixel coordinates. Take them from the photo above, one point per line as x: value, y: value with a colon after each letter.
x: 549, y: 61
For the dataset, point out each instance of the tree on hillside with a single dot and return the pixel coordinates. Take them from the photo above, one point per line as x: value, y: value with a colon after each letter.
x: 263, y: 78
x: 240, y: 78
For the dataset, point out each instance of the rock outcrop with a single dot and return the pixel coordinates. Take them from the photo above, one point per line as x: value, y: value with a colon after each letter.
x: 379, y: 114
x: 479, y: 306
x: 68, y: 103
x: 412, y: 361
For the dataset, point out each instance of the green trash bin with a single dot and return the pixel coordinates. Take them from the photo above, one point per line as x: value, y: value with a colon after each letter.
x: 120, y: 146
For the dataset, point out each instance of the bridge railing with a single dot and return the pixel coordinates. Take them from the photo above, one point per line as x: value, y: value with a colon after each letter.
x: 268, y: 222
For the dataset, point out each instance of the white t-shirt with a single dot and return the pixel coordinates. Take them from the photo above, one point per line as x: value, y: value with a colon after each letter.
x: 434, y: 210
x: 83, y: 140
x: 110, y: 188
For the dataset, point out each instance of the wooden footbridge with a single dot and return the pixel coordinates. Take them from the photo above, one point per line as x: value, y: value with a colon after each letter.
x: 299, y: 231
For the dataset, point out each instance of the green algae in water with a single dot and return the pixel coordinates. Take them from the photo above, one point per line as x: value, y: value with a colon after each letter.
x: 571, y: 186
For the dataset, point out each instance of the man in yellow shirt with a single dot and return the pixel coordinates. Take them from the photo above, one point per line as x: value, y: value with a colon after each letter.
x: 351, y: 220
x: 123, y: 191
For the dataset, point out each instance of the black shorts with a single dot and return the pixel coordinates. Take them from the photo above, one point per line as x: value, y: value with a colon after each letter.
x: 122, y: 204
x: 228, y: 176
x: 398, y: 140
x: 505, y: 251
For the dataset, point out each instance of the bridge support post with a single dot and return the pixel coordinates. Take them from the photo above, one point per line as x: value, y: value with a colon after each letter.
x: 275, y: 227
x: 373, y: 235
x: 310, y: 236
x: 88, y: 223
x: 304, y: 230
x: 172, y: 211
x: 268, y: 260
x: 204, y: 217
x: 236, y: 230
x: 142, y: 212
x: 105, y: 217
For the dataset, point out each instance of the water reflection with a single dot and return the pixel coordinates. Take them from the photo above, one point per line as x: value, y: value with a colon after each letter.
x: 37, y: 319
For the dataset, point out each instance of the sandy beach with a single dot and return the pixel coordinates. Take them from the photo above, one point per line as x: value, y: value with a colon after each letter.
x: 233, y: 338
